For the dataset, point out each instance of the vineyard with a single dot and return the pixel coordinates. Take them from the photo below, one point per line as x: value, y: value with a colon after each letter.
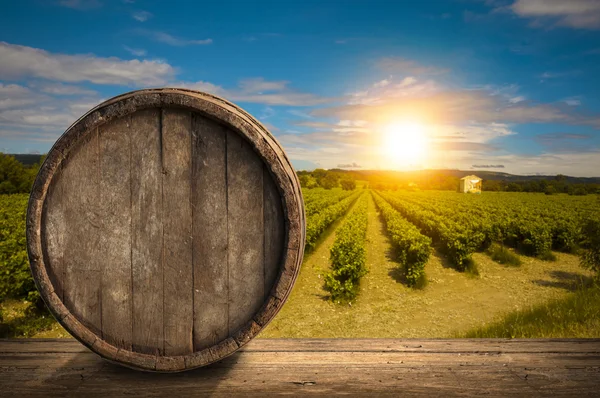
x: 402, y: 263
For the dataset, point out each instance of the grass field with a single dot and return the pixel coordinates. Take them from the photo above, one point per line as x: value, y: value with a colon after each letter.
x: 451, y: 305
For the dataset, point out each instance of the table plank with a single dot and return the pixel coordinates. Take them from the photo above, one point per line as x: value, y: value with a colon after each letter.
x: 385, y: 367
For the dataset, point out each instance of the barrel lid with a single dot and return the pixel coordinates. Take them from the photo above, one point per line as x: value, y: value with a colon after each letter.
x: 165, y: 229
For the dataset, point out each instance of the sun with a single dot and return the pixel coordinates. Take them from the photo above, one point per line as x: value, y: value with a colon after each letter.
x: 405, y: 143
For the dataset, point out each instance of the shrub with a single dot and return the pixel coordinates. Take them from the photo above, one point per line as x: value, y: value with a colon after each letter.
x: 15, y: 277
x: 590, y: 255
x: 502, y: 255
x: 348, y: 184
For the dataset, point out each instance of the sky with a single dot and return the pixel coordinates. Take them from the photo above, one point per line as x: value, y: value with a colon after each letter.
x: 501, y: 85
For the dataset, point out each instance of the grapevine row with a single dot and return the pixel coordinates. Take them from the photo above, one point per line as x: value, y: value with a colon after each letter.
x: 411, y: 247
x: 318, y: 223
x: 457, y: 241
x: 348, y: 254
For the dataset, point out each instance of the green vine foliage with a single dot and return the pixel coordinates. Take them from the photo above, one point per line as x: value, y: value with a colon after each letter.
x: 317, y: 223
x: 590, y: 255
x: 15, y: 276
x: 348, y: 255
x: 412, y: 248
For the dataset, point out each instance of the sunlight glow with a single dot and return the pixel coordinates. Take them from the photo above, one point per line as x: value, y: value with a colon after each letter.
x: 405, y: 143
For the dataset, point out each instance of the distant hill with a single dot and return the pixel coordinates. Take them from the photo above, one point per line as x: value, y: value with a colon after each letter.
x: 485, y: 174
x: 26, y: 159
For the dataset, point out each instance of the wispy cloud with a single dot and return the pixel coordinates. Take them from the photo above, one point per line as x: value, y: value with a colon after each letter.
x: 138, y: 52
x: 572, y: 101
x: 456, y: 106
x: 261, y: 91
x: 141, y: 16
x: 488, y: 166
x: 36, y: 112
x: 21, y: 61
x: 166, y: 38
x: 407, y: 66
x: 581, y: 14
x: 62, y: 89
x: 352, y: 165
x: 565, y: 142
x: 14, y: 96
x: 301, y: 114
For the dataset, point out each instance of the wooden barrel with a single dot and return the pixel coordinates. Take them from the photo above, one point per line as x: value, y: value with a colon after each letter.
x: 165, y: 229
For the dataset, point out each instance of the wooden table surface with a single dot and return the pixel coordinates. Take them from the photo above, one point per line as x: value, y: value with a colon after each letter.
x: 299, y: 367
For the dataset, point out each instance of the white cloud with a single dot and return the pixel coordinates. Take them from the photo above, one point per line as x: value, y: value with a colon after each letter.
x: 15, y: 96
x: 583, y: 14
x: 379, y: 93
x: 572, y: 101
x: 259, y: 91
x: 301, y: 114
x: 266, y: 113
x: 62, y: 89
x: 22, y: 108
x: 166, y: 38
x: 382, y: 83
x: 517, y: 99
x: 260, y: 85
x: 141, y: 16
x: 408, y: 67
x: 21, y: 61
x: 138, y: 52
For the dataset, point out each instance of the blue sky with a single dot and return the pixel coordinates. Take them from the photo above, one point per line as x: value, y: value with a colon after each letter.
x: 505, y: 85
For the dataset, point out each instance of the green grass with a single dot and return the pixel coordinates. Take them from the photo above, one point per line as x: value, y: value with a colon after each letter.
x: 22, y: 319
x: 547, y: 256
x: 503, y: 255
x: 471, y: 268
x: 576, y: 316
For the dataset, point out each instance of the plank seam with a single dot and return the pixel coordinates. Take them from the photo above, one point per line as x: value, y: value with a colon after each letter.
x: 131, y: 226
x: 192, y: 205
x: 162, y: 215
x: 226, y: 132
x: 99, y: 187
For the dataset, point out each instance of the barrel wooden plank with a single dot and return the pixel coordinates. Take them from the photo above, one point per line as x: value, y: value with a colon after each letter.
x: 147, y: 232
x: 246, y: 232
x: 165, y: 229
x: 54, y: 232
x: 178, y: 284
x: 209, y: 199
x: 83, y: 267
x: 274, y: 236
x: 115, y: 233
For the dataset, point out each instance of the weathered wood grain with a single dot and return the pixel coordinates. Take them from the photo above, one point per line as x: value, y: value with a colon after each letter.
x: 426, y: 346
x: 274, y: 235
x: 210, y: 260
x: 245, y: 231
x: 147, y: 232
x: 54, y: 232
x: 114, y: 234
x: 431, y: 367
x: 165, y: 229
x: 177, y: 245
x: 83, y: 267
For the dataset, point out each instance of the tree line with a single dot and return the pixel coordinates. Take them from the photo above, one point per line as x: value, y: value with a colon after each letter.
x: 16, y: 177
